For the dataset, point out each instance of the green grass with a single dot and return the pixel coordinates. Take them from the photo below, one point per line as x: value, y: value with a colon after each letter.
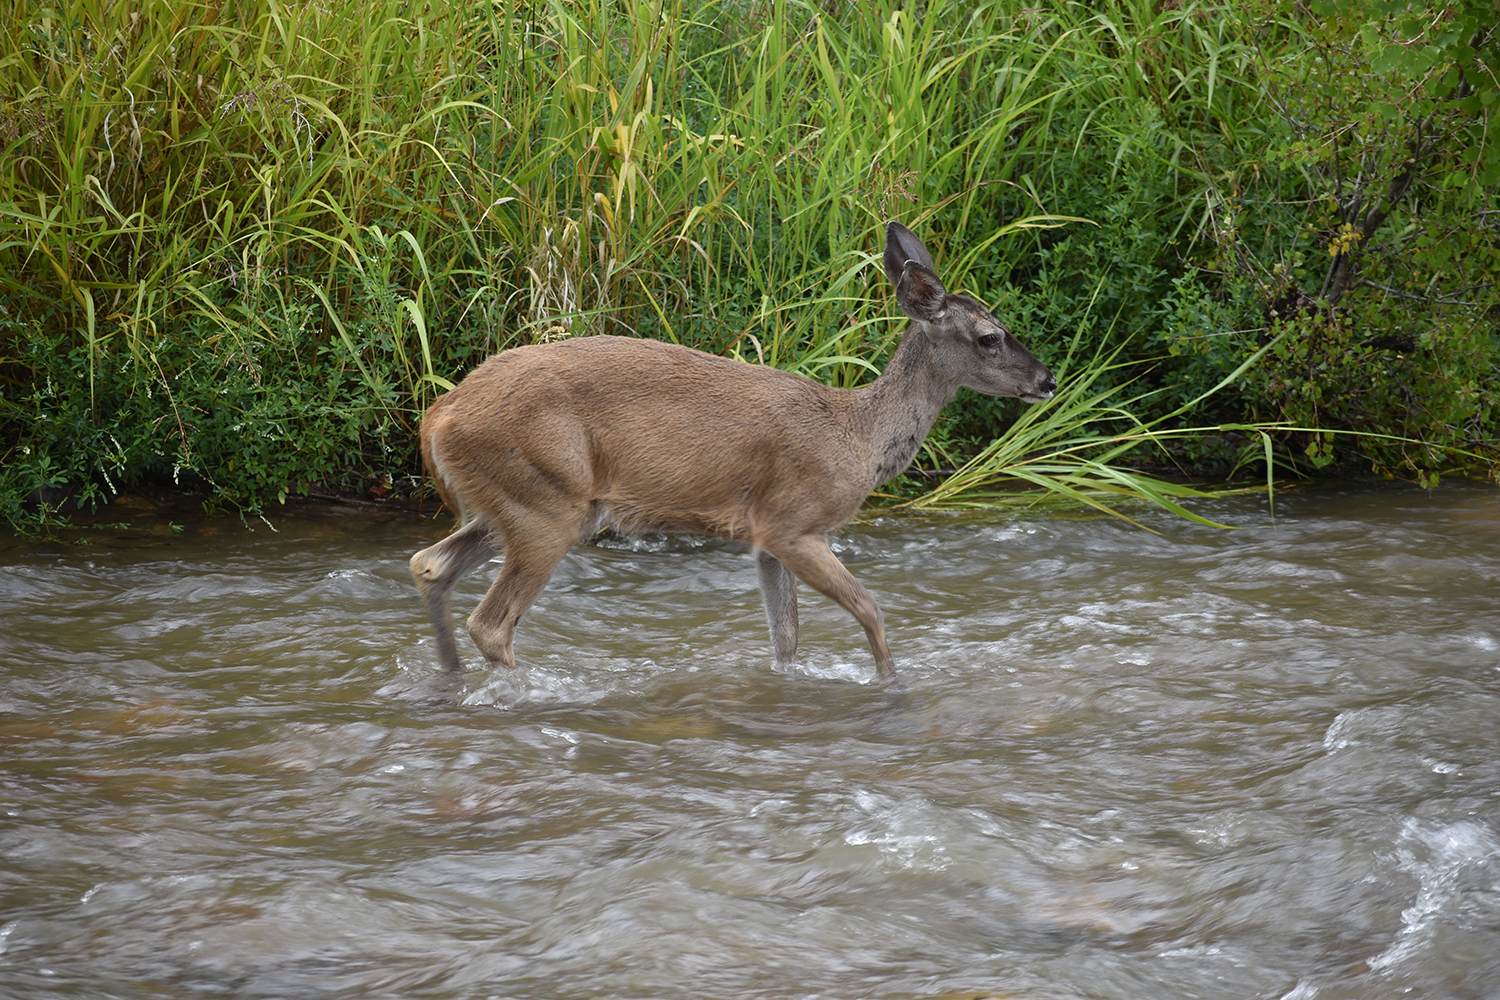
x: 249, y: 242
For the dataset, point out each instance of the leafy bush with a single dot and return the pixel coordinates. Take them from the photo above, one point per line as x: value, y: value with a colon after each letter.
x: 1375, y: 248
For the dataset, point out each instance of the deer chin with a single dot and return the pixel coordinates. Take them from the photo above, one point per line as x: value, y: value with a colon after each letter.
x: 1035, y: 399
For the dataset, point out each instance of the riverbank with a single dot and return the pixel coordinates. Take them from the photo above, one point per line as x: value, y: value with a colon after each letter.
x: 257, y: 273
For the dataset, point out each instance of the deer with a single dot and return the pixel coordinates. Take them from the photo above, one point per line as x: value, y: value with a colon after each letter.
x: 542, y: 445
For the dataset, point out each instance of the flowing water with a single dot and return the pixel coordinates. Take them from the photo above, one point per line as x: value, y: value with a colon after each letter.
x: 1199, y: 763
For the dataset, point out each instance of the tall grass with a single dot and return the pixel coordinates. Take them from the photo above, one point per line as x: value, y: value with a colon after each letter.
x: 250, y: 240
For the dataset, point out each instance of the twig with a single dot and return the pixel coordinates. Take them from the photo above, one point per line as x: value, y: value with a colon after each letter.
x: 1428, y: 298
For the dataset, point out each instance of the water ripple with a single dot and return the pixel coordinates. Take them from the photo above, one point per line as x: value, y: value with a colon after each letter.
x: 1259, y: 763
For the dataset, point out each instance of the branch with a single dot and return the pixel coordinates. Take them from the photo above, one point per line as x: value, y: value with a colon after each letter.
x: 1340, y: 276
x: 1447, y: 301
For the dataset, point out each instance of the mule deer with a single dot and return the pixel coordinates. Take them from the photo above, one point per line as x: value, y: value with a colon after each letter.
x: 540, y: 445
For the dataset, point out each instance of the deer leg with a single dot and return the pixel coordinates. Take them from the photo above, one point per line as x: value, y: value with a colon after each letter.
x: 437, y: 568
x: 814, y: 563
x: 532, y: 552
x: 778, y: 589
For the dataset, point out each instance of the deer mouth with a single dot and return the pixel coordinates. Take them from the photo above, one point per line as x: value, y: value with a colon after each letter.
x: 1047, y: 389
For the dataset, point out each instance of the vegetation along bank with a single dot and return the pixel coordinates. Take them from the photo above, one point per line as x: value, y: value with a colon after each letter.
x: 244, y: 243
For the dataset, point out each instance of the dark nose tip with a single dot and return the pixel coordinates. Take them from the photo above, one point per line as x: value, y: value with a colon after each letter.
x: 1049, y: 386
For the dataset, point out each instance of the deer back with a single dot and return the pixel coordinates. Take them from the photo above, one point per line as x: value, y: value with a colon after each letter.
x: 661, y: 437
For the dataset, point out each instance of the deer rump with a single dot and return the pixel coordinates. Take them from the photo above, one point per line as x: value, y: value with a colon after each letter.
x: 539, y: 445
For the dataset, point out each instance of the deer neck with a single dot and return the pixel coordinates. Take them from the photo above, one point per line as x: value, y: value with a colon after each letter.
x: 898, y: 409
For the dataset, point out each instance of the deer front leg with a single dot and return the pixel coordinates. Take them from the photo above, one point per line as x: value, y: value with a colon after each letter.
x: 778, y: 589
x: 815, y: 565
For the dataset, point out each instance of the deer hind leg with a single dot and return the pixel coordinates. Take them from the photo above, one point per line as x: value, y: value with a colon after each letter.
x: 533, y: 548
x: 814, y: 563
x: 778, y: 589
x: 437, y: 568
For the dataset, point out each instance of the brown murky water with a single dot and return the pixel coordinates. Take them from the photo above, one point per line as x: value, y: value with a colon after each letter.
x: 1209, y: 764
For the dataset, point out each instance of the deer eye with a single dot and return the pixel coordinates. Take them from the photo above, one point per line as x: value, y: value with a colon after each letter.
x: 989, y: 340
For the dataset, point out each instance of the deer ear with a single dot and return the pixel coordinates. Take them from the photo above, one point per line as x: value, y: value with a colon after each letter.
x: 901, y: 247
x: 919, y: 292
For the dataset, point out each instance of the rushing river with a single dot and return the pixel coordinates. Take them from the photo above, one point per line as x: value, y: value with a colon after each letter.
x: 1261, y: 763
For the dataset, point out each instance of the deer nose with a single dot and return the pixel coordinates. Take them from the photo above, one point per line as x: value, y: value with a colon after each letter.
x: 1048, y: 387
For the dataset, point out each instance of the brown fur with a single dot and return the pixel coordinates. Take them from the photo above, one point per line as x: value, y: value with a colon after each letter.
x: 541, y: 444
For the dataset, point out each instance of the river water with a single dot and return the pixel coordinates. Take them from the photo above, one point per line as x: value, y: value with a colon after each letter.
x: 1260, y: 763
